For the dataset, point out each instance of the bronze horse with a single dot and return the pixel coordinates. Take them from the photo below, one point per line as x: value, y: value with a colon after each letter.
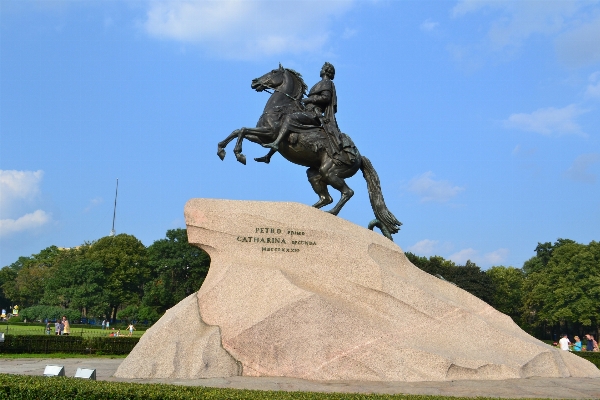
x: 309, y: 149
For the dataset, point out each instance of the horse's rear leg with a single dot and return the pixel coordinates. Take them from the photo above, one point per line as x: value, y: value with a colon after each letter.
x: 320, y: 188
x: 330, y: 176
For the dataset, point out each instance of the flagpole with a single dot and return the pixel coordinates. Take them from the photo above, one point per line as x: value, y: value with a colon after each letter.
x: 112, y: 231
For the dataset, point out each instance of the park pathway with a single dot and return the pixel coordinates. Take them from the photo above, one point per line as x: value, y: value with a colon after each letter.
x: 555, y: 388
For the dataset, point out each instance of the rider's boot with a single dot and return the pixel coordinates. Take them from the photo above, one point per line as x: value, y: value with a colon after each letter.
x: 266, y: 158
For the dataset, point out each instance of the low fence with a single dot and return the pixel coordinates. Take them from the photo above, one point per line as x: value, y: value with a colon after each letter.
x: 36, y: 330
x: 45, y: 344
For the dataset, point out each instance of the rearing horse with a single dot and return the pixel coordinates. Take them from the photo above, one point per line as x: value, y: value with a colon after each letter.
x: 309, y: 149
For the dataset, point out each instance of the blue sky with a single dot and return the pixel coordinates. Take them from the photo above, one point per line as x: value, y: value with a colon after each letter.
x: 481, y: 117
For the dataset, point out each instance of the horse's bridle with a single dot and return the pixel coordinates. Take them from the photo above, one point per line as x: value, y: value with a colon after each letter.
x: 284, y: 93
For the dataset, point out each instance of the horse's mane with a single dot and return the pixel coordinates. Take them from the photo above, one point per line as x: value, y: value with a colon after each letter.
x: 301, y: 87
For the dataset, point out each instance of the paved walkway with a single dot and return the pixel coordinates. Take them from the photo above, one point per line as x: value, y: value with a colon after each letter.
x: 556, y: 388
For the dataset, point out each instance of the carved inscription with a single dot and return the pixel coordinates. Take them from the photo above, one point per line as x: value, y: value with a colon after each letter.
x: 277, y: 239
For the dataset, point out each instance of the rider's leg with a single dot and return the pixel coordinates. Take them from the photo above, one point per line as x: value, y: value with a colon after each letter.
x: 266, y: 158
x: 282, y: 132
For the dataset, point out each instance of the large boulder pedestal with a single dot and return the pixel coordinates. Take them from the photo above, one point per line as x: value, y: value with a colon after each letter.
x: 294, y: 291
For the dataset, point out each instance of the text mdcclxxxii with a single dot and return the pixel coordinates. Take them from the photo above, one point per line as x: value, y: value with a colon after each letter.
x: 277, y: 236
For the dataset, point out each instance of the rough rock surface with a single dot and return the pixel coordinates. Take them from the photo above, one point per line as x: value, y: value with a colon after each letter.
x: 293, y: 291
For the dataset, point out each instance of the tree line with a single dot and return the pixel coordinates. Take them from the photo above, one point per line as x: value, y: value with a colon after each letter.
x: 557, y: 290
x: 113, y: 277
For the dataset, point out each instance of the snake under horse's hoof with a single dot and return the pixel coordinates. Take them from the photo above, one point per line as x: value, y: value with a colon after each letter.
x: 384, y: 230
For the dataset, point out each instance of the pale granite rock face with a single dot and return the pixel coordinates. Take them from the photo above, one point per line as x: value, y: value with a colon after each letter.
x: 180, y: 345
x: 294, y: 291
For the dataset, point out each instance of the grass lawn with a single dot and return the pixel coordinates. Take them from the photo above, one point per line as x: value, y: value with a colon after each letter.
x: 75, y: 330
x: 42, y: 388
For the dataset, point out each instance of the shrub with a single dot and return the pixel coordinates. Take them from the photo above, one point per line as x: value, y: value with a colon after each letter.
x: 129, y: 313
x: 15, y: 344
x: 43, y: 388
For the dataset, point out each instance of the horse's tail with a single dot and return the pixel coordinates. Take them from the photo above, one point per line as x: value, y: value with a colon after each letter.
x: 383, y: 215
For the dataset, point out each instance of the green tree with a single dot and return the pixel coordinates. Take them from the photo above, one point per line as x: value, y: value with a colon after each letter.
x: 7, y: 287
x: 42, y: 312
x: 129, y: 313
x: 508, y: 297
x: 125, y: 265
x: 27, y: 287
x: 434, y: 265
x: 78, y: 283
x: 472, y: 279
x: 178, y: 270
x: 566, y: 292
x: 543, y: 255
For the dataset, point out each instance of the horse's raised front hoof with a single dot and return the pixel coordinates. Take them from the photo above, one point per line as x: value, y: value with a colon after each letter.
x: 241, y: 158
x: 264, y: 159
x: 221, y: 153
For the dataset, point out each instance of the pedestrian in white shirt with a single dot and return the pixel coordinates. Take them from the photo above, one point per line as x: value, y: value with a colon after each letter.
x: 564, y: 343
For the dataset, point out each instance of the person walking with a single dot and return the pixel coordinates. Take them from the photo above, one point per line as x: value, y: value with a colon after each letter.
x: 104, y: 323
x: 66, y: 326
x: 58, y: 327
x: 564, y: 343
x: 130, y: 328
x: 577, y: 345
x: 591, y: 344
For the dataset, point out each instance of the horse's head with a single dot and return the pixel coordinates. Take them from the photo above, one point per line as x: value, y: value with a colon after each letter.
x: 270, y: 80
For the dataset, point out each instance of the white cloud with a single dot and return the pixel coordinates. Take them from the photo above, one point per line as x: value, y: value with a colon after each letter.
x: 520, y: 151
x: 17, y: 190
x: 431, y: 190
x: 424, y: 247
x: 245, y: 29
x: 573, y: 25
x: 349, y: 33
x: 464, y: 7
x: 496, y: 257
x: 515, y: 21
x: 581, y: 45
x: 462, y: 256
x: 428, y: 25
x: 593, y: 89
x: 26, y: 222
x: 548, y: 121
x: 489, y: 259
x: 93, y: 203
x: 18, y: 186
x: 579, y: 170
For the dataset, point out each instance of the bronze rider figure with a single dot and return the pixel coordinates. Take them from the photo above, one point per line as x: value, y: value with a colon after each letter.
x: 320, y: 108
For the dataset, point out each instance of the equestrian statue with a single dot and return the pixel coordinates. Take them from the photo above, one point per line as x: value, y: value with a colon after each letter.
x: 304, y: 131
